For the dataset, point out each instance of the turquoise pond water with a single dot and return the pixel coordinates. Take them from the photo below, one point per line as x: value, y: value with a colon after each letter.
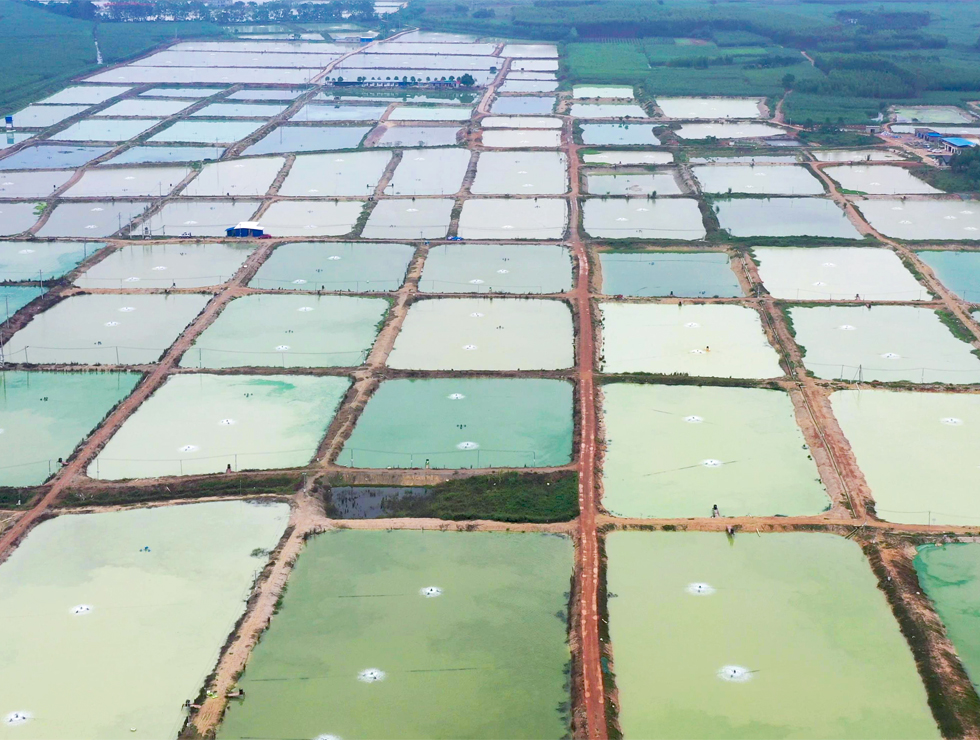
x: 958, y: 271
x: 689, y: 275
x: 13, y: 298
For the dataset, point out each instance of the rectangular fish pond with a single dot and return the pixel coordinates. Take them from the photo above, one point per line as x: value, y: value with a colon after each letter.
x: 289, y: 331
x: 619, y: 134
x: 198, y: 424
x: 335, y: 266
x: 779, y: 635
x: 103, y: 603
x: 950, y: 575
x: 701, y: 340
x: 182, y: 217
x: 409, y: 219
x: 958, y: 271
x: 324, y: 175
x: 643, y: 218
x: 400, y: 136
x: 90, y: 220
x: 463, y: 423
x: 309, y: 139
x: 777, y: 217
x: 496, y: 268
x: 44, y: 415
x: 485, y: 334
x: 676, y: 450
x: 886, y: 343
x: 709, y: 108
x: 513, y: 218
x: 21, y: 261
x: 917, y: 451
x: 105, y: 329
x: 429, y: 172
x: 768, y: 179
x: 411, y: 634
x: 842, y: 273
x: 521, y: 173
x: 156, y: 265
x: 15, y: 297
x: 954, y: 220
x: 881, y: 179
x: 682, y: 274
x: 306, y: 218
x: 664, y: 182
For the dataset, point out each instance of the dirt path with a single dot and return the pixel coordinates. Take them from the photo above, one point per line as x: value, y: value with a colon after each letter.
x: 587, y: 552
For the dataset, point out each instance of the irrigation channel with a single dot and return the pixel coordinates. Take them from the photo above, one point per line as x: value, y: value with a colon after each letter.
x: 850, y: 514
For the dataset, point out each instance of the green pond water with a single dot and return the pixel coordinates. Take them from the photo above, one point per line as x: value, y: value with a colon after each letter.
x: 409, y: 219
x: 20, y: 261
x: 289, y: 331
x: 496, y: 268
x: 923, y: 219
x: 200, y: 423
x: 784, y: 217
x: 958, y: 271
x: 485, y: 334
x: 756, y: 179
x: 43, y: 417
x: 14, y: 298
x: 917, y: 452
x: 239, y: 178
x: 347, y: 173
x: 684, y: 274
x: 950, y: 575
x: 90, y: 220
x: 463, y: 423
x: 337, y: 266
x: 106, y: 329
x: 700, y: 340
x: 676, y: 451
x: 887, y: 343
x: 156, y: 621
x: 453, y: 665
x: 798, y: 615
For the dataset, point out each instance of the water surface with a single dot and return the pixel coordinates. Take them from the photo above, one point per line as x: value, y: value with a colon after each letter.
x: 784, y: 217
x: 684, y: 274
x: 496, y: 268
x: 958, y: 271
x: 338, y: 266
x: 156, y: 265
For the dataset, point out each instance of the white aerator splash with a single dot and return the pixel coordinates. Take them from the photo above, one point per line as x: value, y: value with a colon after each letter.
x: 371, y: 675
x: 455, y: 396
x: 81, y: 609
x: 951, y: 421
x: 17, y: 718
x: 712, y: 463
x: 693, y: 419
x: 431, y: 592
x: 700, y: 589
x: 467, y: 446
x: 734, y: 673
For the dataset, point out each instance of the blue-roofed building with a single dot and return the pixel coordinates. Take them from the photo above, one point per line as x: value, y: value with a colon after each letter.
x: 954, y: 144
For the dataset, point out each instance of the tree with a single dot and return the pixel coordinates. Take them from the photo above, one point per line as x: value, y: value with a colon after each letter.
x: 788, y: 80
x: 485, y: 13
x: 467, y: 80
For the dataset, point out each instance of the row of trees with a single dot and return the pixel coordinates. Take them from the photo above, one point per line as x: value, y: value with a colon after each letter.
x: 237, y: 12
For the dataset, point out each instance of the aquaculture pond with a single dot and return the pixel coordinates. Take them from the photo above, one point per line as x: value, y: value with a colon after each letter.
x: 496, y: 268
x: 917, y: 451
x: 429, y: 172
x: 950, y: 575
x: 505, y: 218
x: 763, y: 179
x: 728, y: 130
x: 409, y: 219
x: 105, y: 329
x: 237, y: 177
x: 335, y: 266
x: 958, y: 271
x: 16, y: 217
x: 522, y: 139
x: 309, y: 139
x: 781, y: 635
x: 89, y: 220
x: 531, y: 105
x: 676, y: 451
x: 709, y: 108
x: 643, y: 218
x: 102, y: 604
x: 627, y: 157
x: 581, y: 92
x: 399, y: 136
x: 102, y: 129
x: 199, y: 424
x: 322, y: 112
x: 682, y: 274
x: 485, y: 334
x: 436, y: 656
x: 463, y: 423
x: 613, y: 134
x: 84, y: 94
x: 52, y: 156
x: 518, y: 85
x: 43, y: 417
x: 32, y: 184
x: 14, y: 298
x: 923, y: 219
x: 521, y: 173
x: 700, y: 340
x: 21, y: 261
x: 289, y: 331
x: 660, y: 183
x: 323, y: 175
x: 887, y: 343
x: 841, y: 273
x: 154, y: 154
x: 128, y: 182
x: 311, y: 217
x: 607, y: 110
x: 857, y: 155
x: 156, y: 265
x: 881, y: 179
x: 932, y: 114
x: 784, y: 217
x: 200, y: 217
x: 207, y: 132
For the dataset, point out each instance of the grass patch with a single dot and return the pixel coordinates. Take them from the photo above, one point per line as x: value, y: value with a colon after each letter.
x: 837, y: 138
x: 956, y: 327
x: 219, y: 485
x: 506, y: 497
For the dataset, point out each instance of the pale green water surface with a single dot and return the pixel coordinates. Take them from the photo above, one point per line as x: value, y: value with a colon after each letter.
x: 335, y: 266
